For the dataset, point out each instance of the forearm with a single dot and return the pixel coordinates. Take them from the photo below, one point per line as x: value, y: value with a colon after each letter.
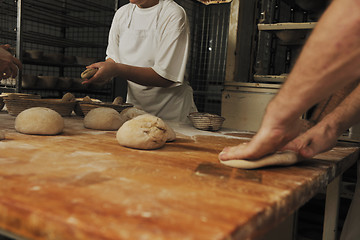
x: 145, y: 76
x: 328, y: 61
x: 345, y: 115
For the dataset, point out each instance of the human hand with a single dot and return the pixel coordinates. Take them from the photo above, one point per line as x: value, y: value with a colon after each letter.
x: 318, y: 139
x: 9, y: 64
x: 270, y: 138
x: 106, y: 71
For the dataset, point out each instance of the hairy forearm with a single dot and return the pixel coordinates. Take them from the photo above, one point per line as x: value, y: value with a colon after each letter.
x: 346, y: 114
x: 328, y: 61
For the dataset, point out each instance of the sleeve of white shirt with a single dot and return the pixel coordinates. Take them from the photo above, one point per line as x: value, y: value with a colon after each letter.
x: 113, y: 39
x: 174, y: 33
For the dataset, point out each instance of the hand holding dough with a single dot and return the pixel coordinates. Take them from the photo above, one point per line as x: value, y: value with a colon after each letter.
x: 284, y: 158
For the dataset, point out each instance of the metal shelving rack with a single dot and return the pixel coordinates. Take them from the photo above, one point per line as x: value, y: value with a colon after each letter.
x: 67, y: 27
x: 282, y: 29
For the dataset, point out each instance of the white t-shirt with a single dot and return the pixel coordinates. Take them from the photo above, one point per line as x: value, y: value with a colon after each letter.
x: 156, y: 37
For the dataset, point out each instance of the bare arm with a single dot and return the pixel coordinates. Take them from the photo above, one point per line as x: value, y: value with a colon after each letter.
x: 328, y: 62
x: 323, y: 135
x: 145, y: 76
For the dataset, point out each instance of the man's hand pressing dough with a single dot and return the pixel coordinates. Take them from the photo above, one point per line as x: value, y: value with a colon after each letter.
x: 284, y: 158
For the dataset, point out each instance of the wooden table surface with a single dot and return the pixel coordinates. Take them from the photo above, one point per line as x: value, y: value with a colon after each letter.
x: 82, y: 184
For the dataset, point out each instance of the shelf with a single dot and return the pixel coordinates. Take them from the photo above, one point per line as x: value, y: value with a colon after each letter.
x: 270, y: 78
x: 286, y: 26
x: 74, y: 90
x: 49, y: 40
x: 53, y: 64
x: 78, y: 5
x: 48, y: 15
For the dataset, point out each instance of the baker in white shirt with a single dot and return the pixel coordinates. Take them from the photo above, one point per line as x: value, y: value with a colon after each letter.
x: 148, y: 47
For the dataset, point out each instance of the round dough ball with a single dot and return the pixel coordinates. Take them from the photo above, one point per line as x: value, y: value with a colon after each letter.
x: 103, y: 118
x: 118, y: 100
x: 130, y: 113
x: 39, y: 121
x: 68, y: 97
x: 143, y: 132
x: 87, y: 99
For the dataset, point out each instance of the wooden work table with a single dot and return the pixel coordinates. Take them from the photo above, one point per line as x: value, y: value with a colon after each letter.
x: 82, y: 184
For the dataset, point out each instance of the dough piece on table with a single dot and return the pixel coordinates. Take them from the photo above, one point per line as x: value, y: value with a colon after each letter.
x: 143, y: 132
x: 39, y: 121
x: 284, y: 158
x: 118, y: 100
x: 68, y: 97
x: 130, y: 113
x: 88, y: 73
x: 103, y: 118
x: 87, y: 99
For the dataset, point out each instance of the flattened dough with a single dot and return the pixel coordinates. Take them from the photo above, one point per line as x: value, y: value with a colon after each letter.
x: 143, y: 132
x: 39, y: 121
x: 284, y: 158
x: 103, y: 118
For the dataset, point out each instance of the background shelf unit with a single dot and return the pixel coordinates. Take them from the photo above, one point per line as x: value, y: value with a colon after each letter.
x: 65, y: 28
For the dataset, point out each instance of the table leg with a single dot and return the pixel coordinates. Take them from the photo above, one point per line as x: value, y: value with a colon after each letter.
x: 330, y: 227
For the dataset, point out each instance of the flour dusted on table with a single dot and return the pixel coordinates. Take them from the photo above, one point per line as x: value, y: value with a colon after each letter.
x: 39, y: 121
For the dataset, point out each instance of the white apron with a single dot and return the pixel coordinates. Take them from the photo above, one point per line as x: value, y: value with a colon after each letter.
x: 139, y: 48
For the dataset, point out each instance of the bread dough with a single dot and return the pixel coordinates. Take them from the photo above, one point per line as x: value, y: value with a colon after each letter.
x: 87, y: 99
x: 130, y: 113
x: 68, y: 97
x: 88, y: 73
x: 284, y: 158
x: 118, y: 100
x: 103, y: 118
x: 143, y: 132
x: 39, y: 121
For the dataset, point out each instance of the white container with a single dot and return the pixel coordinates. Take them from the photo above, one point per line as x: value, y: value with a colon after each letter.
x: 243, y: 104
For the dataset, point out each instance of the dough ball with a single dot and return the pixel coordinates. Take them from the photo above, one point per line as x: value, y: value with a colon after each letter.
x: 130, y: 113
x: 103, y: 118
x: 87, y: 99
x: 118, y: 100
x: 88, y: 73
x: 143, y: 132
x: 68, y: 97
x: 40, y: 121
